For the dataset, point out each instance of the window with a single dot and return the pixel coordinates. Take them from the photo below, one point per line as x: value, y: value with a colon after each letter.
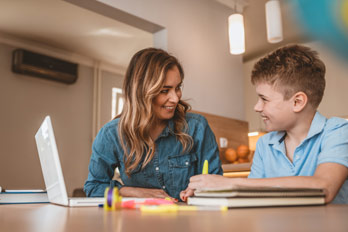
x: 116, y: 102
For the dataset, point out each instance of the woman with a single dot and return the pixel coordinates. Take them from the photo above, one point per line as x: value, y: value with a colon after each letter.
x: 156, y: 145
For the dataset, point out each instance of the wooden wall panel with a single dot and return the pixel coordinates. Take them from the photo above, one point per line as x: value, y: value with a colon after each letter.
x: 235, y: 131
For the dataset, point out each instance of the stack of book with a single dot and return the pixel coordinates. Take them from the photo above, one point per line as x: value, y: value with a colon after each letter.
x: 257, y: 197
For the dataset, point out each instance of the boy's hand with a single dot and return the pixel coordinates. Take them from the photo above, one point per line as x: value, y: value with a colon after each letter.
x: 209, y: 181
x: 205, y: 181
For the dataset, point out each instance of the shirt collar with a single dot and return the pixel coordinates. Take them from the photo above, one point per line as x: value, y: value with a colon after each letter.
x: 317, y: 126
x: 277, y: 137
x: 169, y: 129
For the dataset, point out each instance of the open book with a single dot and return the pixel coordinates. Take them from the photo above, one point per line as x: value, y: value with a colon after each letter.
x: 258, y: 197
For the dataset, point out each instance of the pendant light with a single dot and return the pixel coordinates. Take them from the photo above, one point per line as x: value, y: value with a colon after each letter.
x: 274, y: 21
x: 236, y: 34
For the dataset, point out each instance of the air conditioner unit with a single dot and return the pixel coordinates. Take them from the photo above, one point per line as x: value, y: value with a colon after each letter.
x: 38, y: 65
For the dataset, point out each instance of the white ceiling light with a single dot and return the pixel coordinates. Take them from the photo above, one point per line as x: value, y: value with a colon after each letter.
x: 274, y: 21
x: 236, y: 34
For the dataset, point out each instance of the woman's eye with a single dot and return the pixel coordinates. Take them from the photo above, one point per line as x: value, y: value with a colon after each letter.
x: 178, y: 88
x: 164, y: 91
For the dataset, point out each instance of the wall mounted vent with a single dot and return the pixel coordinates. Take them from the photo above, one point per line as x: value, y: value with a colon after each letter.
x: 37, y: 65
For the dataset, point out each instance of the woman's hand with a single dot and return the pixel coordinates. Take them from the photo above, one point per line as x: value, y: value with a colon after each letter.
x: 186, y: 193
x: 143, y: 193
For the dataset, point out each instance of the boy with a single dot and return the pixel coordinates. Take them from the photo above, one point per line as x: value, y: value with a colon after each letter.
x: 303, y: 148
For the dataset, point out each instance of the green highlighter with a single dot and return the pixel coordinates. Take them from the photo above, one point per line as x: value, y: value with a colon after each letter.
x: 205, y: 167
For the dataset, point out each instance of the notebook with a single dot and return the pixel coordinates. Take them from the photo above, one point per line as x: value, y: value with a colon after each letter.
x: 52, y: 171
x: 28, y: 196
x: 258, y: 197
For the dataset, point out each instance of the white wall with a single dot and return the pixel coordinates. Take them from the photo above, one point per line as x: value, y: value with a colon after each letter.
x: 335, y: 95
x: 335, y: 98
x: 250, y: 98
x: 24, y: 103
x: 197, y: 36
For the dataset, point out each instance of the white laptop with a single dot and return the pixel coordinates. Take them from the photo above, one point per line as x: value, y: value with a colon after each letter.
x: 52, y: 171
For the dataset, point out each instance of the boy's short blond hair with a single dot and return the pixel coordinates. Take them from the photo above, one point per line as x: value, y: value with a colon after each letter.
x: 291, y: 69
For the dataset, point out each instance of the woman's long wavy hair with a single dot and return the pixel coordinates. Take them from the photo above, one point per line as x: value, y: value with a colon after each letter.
x: 144, y: 79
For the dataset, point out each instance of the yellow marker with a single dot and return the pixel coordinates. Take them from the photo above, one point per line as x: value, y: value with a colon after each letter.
x: 116, y: 199
x: 344, y: 12
x: 159, y: 208
x: 202, y: 208
x: 205, y: 167
x: 175, y: 208
x: 188, y: 208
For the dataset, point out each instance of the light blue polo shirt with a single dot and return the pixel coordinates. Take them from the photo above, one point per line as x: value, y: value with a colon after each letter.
x: 326, y: 142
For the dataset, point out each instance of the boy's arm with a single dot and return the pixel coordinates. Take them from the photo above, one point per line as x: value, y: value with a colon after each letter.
x: 328, y: 176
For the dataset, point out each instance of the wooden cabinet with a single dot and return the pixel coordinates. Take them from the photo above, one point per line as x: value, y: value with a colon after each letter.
x: 236, y: 170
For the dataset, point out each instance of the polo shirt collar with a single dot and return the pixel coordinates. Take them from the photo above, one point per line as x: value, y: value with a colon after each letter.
x: 277, y: 137
x: 276, y: 140
x: 317, y: 125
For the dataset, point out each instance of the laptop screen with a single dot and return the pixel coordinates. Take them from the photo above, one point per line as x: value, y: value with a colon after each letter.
x: 50, y: 164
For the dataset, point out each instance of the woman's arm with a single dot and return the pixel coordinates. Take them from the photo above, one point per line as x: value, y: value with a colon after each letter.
x: 102, y: 164
x: 143, y: 192
x: 208, y: 149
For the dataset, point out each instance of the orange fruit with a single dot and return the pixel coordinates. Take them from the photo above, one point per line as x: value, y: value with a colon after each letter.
x: 231, y: 155
x: 243, y: 151
x: 243, y: 160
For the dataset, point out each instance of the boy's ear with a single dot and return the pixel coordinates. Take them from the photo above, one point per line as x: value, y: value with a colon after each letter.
x: 300, y: 100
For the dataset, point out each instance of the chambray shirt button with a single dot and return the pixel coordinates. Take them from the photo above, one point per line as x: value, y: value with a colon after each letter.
x: 187, y: 163
x: 164, y: 187
x: 297, y: 156
x: 157, y: 168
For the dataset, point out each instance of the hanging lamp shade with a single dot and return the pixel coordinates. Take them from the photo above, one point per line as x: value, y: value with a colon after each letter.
x: 236, y: 34
x: 274, y: 22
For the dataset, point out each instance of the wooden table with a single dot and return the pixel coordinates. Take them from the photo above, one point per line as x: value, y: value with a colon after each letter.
x: 53, y: 218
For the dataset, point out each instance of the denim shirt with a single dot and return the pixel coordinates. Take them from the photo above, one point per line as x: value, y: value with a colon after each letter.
x: 170, y: 169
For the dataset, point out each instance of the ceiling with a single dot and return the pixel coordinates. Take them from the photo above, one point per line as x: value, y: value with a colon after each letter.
x: 63, y: 25
x: 255, y: 28
x: 256, y: 43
